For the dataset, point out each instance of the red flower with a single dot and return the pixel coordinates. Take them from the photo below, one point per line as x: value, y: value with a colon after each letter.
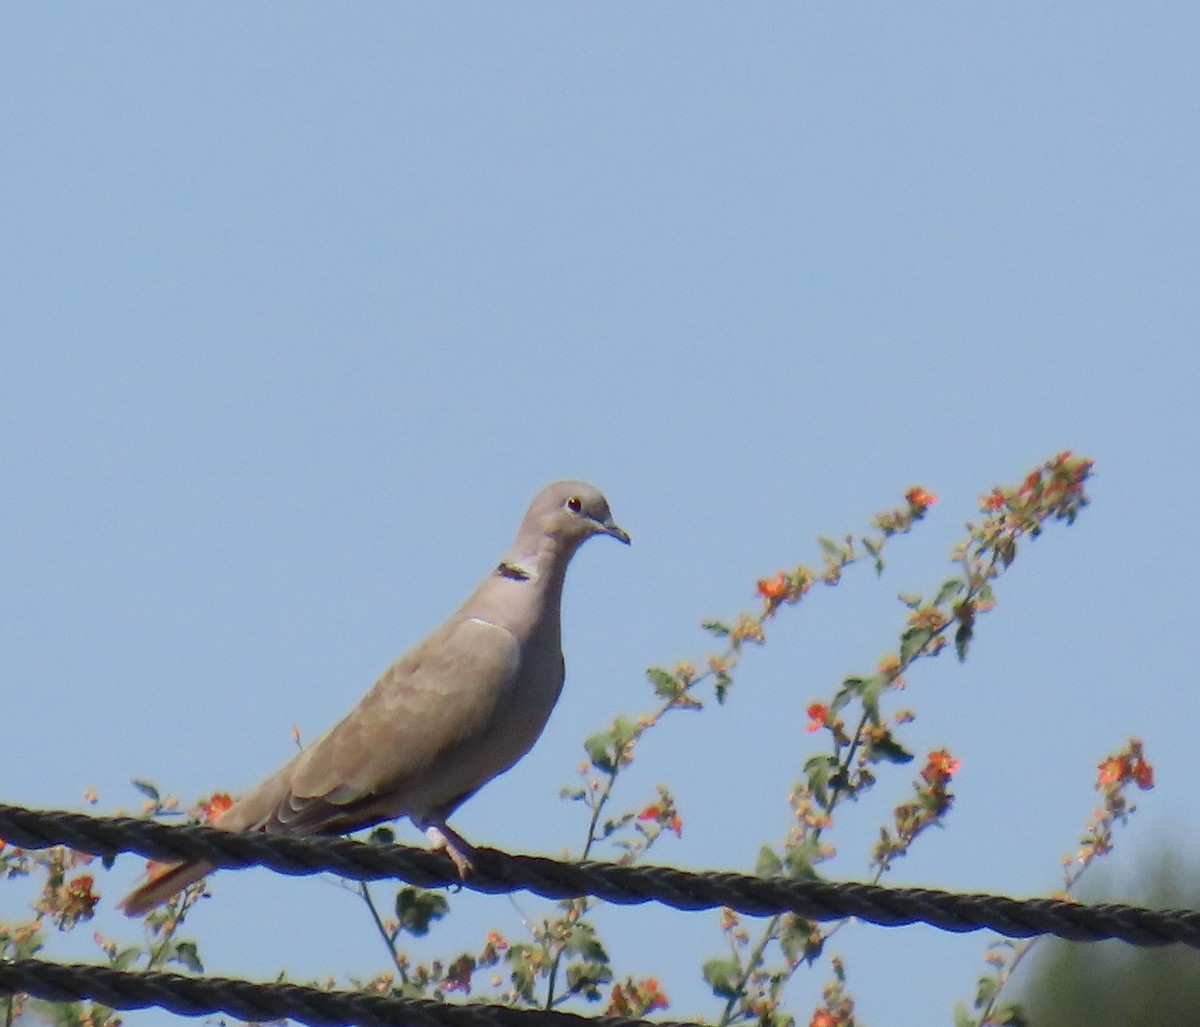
x: 652, y: 995
x: 774, y: 590
x: 664, y: 815
x: 919, y: 499
x: 1143, y: 774
x: 941, y: 767
x: 818, y: 716
x: 1112, y: 770
x: 215, y: 806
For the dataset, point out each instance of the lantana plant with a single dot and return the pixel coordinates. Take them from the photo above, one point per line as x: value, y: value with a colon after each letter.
x: 858, y: 727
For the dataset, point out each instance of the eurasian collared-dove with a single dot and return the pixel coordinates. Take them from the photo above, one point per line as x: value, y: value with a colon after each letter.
x: 459, y: 708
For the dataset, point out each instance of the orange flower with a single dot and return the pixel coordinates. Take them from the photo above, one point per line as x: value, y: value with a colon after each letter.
x: 993, y: 501
x: 77, y: 901
x: 818, y: 716
x: 1143, y: 774
x: 1112, y: 770
x: 664, y: 815
x: 941, y: 767
x: 775, y: 589
x: 920, y: 499
x: 215, y: 806
x: 652, y: 995
x: 823, y: 1018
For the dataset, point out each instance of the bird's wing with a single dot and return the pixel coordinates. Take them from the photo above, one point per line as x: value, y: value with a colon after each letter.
x: 405, y: 748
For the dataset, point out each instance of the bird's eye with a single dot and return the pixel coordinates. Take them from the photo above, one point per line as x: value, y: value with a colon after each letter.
x: 574, y: 504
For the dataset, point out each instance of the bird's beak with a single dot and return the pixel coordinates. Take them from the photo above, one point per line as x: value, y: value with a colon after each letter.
x: 615, y: 530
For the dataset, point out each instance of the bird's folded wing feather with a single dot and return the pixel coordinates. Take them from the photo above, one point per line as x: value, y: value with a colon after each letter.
x: 406, y: 747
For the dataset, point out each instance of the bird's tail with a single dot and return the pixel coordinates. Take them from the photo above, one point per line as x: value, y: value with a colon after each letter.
x: 164, y: 882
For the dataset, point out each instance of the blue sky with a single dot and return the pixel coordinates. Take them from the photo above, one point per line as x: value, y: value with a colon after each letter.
x: 300, y: 304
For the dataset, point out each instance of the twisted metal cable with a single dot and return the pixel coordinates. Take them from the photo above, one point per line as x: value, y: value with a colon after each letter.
x: 258, y: 1003
x: 498, y: 872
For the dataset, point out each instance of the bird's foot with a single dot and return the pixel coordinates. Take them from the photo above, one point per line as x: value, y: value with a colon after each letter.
x: 442, y: 836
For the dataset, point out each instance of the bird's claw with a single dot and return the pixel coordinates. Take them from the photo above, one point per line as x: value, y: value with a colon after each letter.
x: 453, y: 844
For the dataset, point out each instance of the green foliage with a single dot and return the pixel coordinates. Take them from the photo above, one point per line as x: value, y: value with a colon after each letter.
x: 417, y: 909
x: 723, y: 975
x: 885, y: 748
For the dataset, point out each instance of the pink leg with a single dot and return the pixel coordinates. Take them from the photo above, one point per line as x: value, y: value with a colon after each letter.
x: 442, y: 836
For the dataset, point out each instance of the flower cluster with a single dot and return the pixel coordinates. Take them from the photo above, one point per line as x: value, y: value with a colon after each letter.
x: 1116, y: 773
x: 636, y: 998
x: 837, y: 1007
x: 928, y: 807
x: 663, y: 813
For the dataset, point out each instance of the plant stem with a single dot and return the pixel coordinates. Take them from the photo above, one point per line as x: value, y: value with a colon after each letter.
x: 388, y: 940
x: 755, y: 960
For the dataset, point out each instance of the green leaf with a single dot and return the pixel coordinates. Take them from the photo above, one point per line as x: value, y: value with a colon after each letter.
x: 666, y: 685
x: 1011, y: 1014
x: 574, y: 794
x: 585, y: 979
x: 582, y: 941
x: 795, y: 937
x: 912, y: 642
x: 817, y: 770
x: 1006, y: 547
x: 872, y: 689
x: 147, y: 789
x: 597, y: 747
x: 961, y: 1017
x: 988, y: 987
x: 723, y: 975
x: 187, y: 955
x: 416, y: 909
x: 829, y: 546
x: 910, y: 599
x: 962, y: 641
x: 610, y: 826
x: 768, y: 864
x: 124, y: 959
x: 888, y: 750
x: 950, y: 588
x: 799, y: 860
x: 851, y: 687
x: 624, y: 731
x: 715, y: 627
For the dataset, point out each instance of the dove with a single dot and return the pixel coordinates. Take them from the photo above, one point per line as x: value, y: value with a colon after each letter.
x: 459, y: 708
